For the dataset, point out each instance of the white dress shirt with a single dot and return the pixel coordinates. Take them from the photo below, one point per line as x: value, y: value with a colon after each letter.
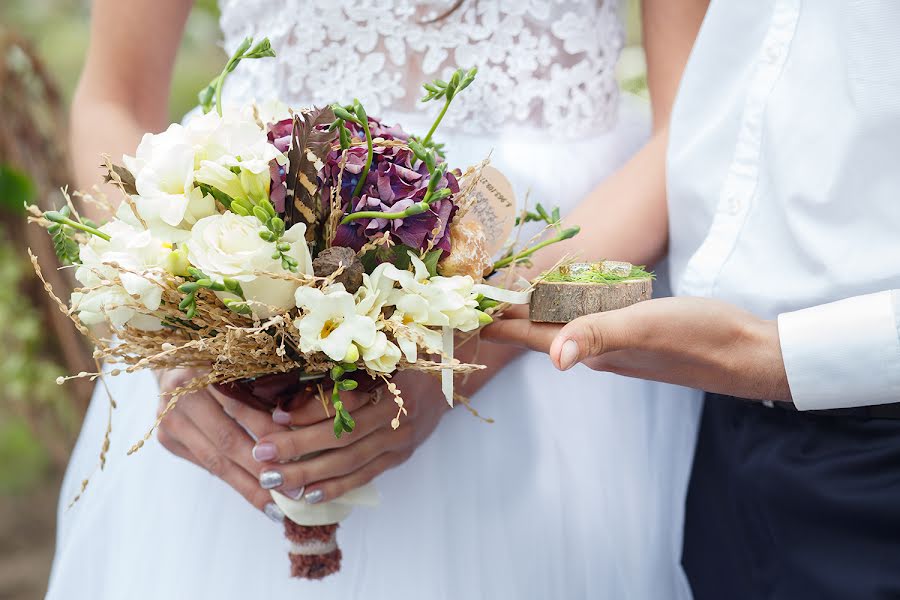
x: 784, y: 185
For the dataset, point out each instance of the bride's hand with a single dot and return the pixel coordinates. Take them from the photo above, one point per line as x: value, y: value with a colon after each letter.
x: 202, y: 429
x: 340, y: 465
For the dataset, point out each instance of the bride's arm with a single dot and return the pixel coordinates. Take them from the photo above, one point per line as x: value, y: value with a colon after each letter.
x: 631, y: 201
x: 124, y: 88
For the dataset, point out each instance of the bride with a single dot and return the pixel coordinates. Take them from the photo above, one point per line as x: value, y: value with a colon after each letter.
x: 576, y: 489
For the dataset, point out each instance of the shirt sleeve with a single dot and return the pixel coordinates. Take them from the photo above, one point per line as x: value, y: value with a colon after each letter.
x: 843, y: 354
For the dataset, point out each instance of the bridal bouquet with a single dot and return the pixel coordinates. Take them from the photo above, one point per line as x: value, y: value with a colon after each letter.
x: 318, y: 245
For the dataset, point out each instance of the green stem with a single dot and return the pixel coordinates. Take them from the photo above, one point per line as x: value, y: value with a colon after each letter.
x: 55, y: 217
x: 369, y: 155
x: 437, y: 121
x: 416, y: 209
x: 219, y: 83
x: 563, y: 235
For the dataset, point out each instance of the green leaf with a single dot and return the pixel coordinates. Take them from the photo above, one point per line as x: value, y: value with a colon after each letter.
x: 16, y: 189
x: 66, y: 249
x: 226, y: 200
x: 431, y: 261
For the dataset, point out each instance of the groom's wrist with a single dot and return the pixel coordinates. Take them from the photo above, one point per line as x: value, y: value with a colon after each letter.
x: 768, y: 378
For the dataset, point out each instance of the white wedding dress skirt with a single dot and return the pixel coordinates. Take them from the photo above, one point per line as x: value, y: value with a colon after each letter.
x: 576, y: 491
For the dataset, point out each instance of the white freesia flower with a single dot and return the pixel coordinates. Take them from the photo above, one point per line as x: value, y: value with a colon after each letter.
x: 141, y: 257
x: 433, y: 301
x: 383, y: 355
x: 228, y: 245
x: 331, y: 323
x: 412, y: 336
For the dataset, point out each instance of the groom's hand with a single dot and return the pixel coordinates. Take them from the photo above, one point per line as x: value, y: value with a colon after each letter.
x: 695, y: 342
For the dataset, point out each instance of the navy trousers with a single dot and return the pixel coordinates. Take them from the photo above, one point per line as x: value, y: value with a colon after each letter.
x: 786, y: 505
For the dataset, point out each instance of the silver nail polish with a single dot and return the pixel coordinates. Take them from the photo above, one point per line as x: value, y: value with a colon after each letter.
x: 270, y: 479
x: 273, y: 512
x: 314, y: 497
x: 294, y: 494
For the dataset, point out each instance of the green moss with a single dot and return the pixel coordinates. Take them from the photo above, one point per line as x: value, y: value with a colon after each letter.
x: 561, y: 275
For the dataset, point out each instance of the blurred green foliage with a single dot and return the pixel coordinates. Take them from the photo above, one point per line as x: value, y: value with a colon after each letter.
x: 16, y: 189
x: 23, y: 458
x: 32, y: 403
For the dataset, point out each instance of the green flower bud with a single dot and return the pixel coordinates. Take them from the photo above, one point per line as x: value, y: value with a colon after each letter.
x: 352, y: 354
x: 177, y: 261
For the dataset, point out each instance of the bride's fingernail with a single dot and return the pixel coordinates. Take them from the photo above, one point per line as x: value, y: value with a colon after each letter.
x: 569, y: 355
x: 294, y: 494
x: 314, y: 497
x: 270, y: 479
x: 273, y: 512
x: 281, y: 417
x: 264, y: 452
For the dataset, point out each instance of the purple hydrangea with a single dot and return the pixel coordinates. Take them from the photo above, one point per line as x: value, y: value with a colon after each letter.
x: 393, y: 184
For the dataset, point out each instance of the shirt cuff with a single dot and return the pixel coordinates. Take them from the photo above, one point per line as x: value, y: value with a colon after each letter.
x: 843, y: 354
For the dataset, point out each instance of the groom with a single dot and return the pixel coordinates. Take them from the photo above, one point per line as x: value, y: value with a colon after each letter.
x: 784, y: 249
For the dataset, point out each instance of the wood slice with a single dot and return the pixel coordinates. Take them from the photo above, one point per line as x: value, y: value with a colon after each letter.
x: 561, y: 302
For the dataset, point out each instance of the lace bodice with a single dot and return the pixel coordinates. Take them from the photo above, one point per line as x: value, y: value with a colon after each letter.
x: 548, y: 64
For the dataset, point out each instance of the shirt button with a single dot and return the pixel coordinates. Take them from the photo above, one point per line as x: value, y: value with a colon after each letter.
x: 772, y: 52
x: 733, y: 205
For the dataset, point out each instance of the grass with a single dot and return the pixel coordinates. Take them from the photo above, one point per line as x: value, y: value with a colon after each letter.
x: 594, y: 275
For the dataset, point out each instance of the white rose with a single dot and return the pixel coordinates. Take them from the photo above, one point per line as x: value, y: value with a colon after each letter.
x: 267, y: 111
x: 141, y: 258
x: 331, y: 323
x: 167, y: 200
x: 228, y: 245
x: 225, y: 144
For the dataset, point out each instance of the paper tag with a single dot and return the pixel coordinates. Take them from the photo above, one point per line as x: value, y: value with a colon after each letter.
x: 494, y: 207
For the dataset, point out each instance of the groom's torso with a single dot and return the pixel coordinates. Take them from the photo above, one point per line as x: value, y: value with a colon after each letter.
x: 783, y: 172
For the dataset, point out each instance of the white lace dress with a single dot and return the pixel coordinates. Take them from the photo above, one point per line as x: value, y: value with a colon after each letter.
x: 575, y: 492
